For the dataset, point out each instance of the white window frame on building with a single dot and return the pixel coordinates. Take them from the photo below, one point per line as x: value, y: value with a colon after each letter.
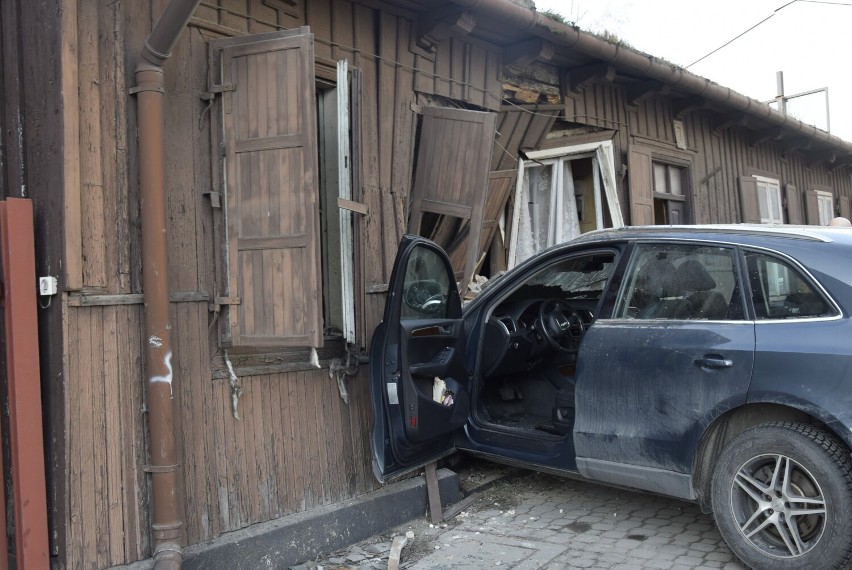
x: 563, y: 216
x: 825, y: 206
x: 769, y: 200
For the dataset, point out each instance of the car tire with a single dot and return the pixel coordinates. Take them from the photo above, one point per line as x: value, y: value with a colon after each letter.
x: 777, y: 480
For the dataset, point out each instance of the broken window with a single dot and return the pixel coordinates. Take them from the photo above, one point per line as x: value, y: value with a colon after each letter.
x: 560, y: 194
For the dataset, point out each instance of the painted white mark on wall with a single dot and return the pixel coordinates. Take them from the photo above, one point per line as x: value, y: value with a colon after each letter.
x: 155, y: 341
x: 167, y: 378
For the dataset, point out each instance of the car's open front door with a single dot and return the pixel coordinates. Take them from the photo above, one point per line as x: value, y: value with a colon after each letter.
x: 419, y: 382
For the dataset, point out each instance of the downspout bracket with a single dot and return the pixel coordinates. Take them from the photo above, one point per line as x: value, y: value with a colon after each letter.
x: 141, y: 88
x: 160, y: 468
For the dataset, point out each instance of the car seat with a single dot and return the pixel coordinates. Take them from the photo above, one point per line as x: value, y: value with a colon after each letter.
x: 699, y: 288
x: 660, y: 281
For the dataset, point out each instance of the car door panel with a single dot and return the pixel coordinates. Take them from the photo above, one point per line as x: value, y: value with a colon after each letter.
x: 651, y: 379
x: 646, y: 390
x: 431, y: 352
x: 417, y: 349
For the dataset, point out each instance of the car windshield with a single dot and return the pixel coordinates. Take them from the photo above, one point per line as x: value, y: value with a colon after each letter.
x: 582, y: 277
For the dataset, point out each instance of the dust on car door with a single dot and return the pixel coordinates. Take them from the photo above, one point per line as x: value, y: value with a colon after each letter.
x: 676, y: 352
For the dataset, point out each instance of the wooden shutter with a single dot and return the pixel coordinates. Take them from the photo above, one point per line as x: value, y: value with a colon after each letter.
x: 793, y: 201
x: 812, y: 207
x: 843, y: 202
x: 269, y: 124
x: 500, y: 184
x: 641, y: 181
x: 749, y: 203
x: 676, y: 210
x: 451, y: 177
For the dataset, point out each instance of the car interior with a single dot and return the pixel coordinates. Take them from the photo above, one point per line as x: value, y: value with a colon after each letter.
x: 533, y: 336
x: 531, y: 342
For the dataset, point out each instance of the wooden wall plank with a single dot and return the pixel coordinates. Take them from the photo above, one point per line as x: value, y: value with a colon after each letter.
x: 91, y: 145
x: 132, y: 434
x: 73, y: 429
x: 88, y: 520
x: 318, y: 17
x: 220, y: 399
x: 112, y: 434
x: 97, y: 377
x: 72, y: 201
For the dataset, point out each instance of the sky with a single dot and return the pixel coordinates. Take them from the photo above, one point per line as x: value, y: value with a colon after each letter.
x: 809, y: 40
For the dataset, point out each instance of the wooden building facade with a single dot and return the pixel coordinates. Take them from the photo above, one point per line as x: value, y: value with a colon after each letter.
x: 259, y: 152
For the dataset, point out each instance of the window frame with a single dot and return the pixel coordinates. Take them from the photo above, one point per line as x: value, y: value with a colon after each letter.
x: 824, y: 196
x: 603, y: 174
x: 625, y: 281
x: 767, y: 183
x: 803, y: 272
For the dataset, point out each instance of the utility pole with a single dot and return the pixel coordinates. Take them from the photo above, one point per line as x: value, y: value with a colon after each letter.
x: 781, y: 99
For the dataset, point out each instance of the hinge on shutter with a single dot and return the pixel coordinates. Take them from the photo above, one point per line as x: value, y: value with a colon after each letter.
x: 210, y: 97
x: 219, y: 302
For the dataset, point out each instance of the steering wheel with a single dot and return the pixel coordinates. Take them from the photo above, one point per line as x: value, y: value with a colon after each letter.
x: 560, y: 325
x: 425, y: 296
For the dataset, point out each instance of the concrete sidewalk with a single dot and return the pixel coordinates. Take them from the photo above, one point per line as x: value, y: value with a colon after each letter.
x: 536, y: 521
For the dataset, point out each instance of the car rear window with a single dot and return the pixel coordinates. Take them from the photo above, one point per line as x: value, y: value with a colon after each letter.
x: 780, y: 291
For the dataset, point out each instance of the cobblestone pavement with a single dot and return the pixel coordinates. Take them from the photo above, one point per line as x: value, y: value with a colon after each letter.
x: 530, y: 521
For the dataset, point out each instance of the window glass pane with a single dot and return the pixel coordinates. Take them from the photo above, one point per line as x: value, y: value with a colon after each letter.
x: 763, y: 202
x: 769, y: 202
x: 660, y: 178
x: 826, y: 208
x: 775, y: 202
x: 581, y: 277
x: 570, y: 226
x: 426, y: 286
x: 539, y: 181
x: 779, y: 291
x: 675, y: 175
x: 681, y: 282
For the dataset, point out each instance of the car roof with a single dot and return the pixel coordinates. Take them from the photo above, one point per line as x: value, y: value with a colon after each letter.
x: 737, y: 233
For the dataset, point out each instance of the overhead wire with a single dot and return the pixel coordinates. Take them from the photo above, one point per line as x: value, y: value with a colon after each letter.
x: 738, y: 36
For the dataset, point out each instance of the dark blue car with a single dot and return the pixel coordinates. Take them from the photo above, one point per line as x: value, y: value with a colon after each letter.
x: 710, y: 363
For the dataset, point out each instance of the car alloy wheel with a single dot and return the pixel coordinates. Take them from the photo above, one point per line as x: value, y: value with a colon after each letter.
x: 778, y: 505
x: 782, y: 497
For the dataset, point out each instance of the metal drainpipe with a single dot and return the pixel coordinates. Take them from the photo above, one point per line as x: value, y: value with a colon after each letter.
x: 166, y: 523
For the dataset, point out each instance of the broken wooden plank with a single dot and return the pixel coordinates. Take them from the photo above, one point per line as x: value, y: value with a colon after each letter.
x: 434, y: 492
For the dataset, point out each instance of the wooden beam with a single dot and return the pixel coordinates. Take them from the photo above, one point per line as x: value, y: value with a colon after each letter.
x: 763, y: 135
x: 524, y: 53
x: 795, y: 144
x: 642, y: 90
x: 735, y: 120
x: 577, y: 78
x: 682, y: 107
x: 840, y: 163
x: 815, y: 157
x: 432, y: 31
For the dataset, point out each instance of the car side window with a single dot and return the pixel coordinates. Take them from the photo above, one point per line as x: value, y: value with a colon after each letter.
x: 426, y: 286
x: 779, y: 291
x: 682, y: 282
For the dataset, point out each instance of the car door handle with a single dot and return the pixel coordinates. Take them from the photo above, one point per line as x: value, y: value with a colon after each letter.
x: 714, y: 361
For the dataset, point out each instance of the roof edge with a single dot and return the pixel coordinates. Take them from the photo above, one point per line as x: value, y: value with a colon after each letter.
x: 539, y: 25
